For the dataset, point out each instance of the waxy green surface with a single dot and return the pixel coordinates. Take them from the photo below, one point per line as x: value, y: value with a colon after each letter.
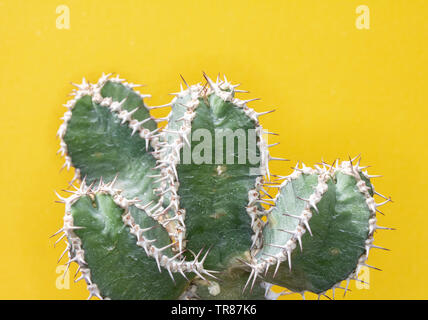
x: 339, y: 233
x: 101, y: 146
x: 119, y: 267
x: 215, y: 202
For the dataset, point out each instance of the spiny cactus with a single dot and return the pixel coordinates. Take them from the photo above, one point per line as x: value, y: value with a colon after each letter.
x: 152, y: 204
x: 329, y: 214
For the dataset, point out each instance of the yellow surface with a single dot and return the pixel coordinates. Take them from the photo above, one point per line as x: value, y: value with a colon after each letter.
x: 338, y: 91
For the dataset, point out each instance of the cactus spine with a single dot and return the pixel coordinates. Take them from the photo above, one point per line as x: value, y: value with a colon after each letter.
x: 152, y: 203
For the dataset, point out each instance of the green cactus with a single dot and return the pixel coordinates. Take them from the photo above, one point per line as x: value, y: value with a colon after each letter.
x: 329, y: 214
x: 190, y: 199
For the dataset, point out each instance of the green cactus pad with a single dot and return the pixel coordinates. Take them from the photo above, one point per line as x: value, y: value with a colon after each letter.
x: 215, y: 203
x: 120, y: 268
x: 338, y: 220
x: 214, y: 194
x: 101, y: 146
x: 118, y: 92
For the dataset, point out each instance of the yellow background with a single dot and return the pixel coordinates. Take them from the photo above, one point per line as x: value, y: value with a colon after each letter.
x: 338, y: 91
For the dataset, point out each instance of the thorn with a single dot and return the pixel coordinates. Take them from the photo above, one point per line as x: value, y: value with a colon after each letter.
x: 59, y: 231
x: 289, y: 259
x: 184, y: 81
x: 198, y: 274
x: 346, y: 287
x: 383, y: 203
x: 158, y: 263
x: 373, y: 176
x: 385, y: 228
x: 60, y: 238
x: 307, y: 226
x: 263, y: 113
x: 273, y: 144
x: 209, y: 81
x: 251, y: 100
x: 248, y: 281
x: 277, y: 267
x: 278, y: 159
x: 206, y: 254
x: 159, y: 107
x: 377, y: 210
x: 377, y: 247
x: 63, y: 253
x: 265, y: 202
x: 371, y: 267
x: 166, y: 247
x: 299, y: 238
x: 287, y: 231
x: 356, y: 157
x: 292, y: 216
x: 381, y: 195
x: 272, y: 133
x: 170, y: 274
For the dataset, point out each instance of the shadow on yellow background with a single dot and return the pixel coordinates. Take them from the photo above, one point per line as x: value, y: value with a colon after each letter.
x: 338, y: 91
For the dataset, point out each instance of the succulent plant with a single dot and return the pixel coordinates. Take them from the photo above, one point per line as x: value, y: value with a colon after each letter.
x: 158, y: 216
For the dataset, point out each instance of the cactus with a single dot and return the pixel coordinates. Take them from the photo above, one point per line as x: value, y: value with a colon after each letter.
x: 157, y: 216
x: 329, y: 214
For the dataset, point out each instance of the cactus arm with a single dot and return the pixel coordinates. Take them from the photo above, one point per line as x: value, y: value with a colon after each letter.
x: 213, y: 196
x: 215, y: 201
x: 102, y: 139
x: 119, y: 90
x: 119, y: 256
x: 331, y: 214
x: 108, y: 134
